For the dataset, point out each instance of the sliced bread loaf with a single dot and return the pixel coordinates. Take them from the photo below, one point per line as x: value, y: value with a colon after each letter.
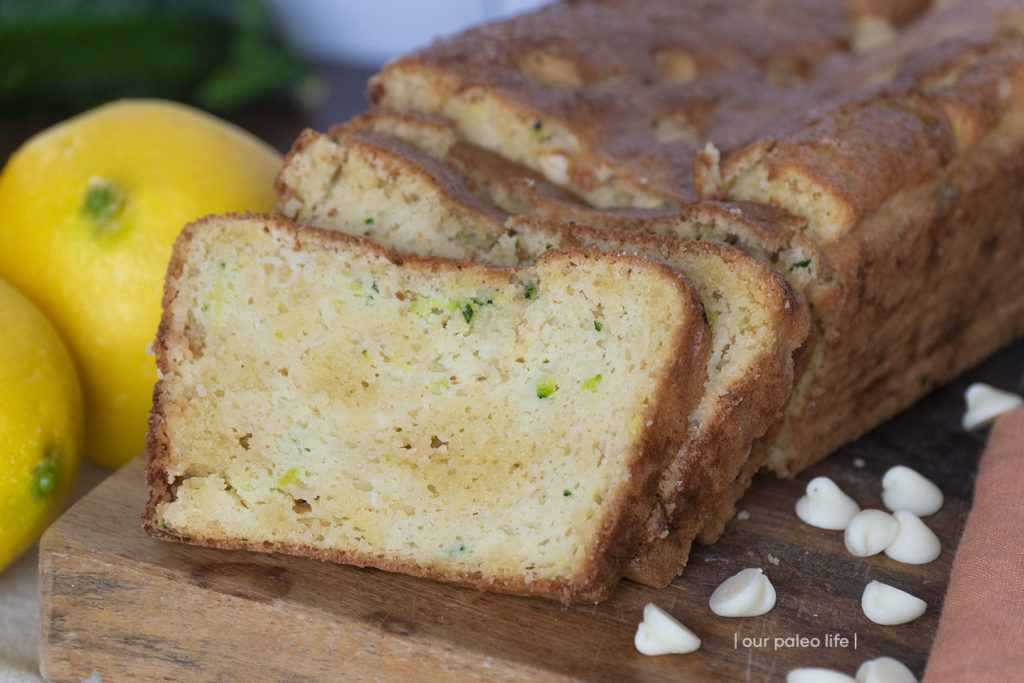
x: 326, y: 396
x: 893, y: 132
x: 758, y: 323
x: 460, y: 170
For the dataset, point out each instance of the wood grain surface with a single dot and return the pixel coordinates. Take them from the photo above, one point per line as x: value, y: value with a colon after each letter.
x: 122, y: 605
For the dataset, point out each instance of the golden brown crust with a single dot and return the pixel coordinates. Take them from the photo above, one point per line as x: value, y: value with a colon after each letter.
x: 664, y: 425
x: 643, y: 89
x: 940, y: 94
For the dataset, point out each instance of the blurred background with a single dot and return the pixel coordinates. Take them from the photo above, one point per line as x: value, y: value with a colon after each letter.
x: 271, y: 66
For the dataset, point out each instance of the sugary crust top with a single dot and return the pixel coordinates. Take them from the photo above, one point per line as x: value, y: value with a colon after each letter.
x: 643, y: 86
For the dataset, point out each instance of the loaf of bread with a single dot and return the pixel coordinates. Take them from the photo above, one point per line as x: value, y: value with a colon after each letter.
x: 869, y: 155
x: 504, y: 428
x: 384, y: 188
x: 881, y: 141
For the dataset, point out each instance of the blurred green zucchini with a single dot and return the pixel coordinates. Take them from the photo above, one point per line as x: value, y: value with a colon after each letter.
x: 68, y: 55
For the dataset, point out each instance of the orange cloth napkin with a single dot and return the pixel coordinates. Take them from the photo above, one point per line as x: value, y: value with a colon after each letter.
x: 981, y: 632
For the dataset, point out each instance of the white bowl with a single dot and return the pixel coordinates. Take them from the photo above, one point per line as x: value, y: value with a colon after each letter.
x: 371, y: 32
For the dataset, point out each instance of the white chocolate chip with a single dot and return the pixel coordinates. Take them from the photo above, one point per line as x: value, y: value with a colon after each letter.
x: 747, y: 594
x: 825, y: 505
x: 887, y: 605
x: 870, y: 532
x: 813, y: 674
x: 985, y: 403
x: 555, y: 165
x: 906, y: 489
x: 884, y: 670
x: 915, y: 543
x: 660, y: 634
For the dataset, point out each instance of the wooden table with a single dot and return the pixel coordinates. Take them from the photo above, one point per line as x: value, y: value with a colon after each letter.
x: 126, y: 606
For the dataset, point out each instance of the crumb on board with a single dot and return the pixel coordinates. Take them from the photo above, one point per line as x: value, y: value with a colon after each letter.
x: 858, y: 463
x: 743, y: 515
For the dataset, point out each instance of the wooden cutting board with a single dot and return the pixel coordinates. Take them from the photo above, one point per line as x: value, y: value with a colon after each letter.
x: 122, y: 605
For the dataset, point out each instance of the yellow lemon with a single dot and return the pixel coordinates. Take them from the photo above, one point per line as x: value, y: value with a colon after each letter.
x: 89, y: 210
x: 40, y: 423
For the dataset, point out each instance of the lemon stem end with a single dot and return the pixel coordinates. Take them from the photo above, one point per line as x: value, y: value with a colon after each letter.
x: 103, y: 200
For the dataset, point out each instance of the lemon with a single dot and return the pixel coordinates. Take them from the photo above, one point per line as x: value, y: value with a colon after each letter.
x: 40, y: 423
x: 89, y: 210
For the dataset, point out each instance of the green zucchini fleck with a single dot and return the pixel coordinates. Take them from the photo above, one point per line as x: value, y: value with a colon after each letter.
x: 530, y: 290
x: 598, y: 325
x: 456, y: 548
x: 286, y: 479
x: 566, y: 492
x: 368, y: 220
x: 361, y: 292
x: 538, y: 125
x: 546, y: 387
x: 800, y: 264
x: 467, y: 312
x: 421, y: 305
x: 591, y: 384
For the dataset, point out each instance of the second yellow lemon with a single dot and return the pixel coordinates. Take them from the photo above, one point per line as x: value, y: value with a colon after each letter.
x: 89, y: 210
x: 40, y: 423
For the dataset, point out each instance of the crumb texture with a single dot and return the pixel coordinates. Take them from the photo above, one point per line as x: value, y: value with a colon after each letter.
x: 445, y: 416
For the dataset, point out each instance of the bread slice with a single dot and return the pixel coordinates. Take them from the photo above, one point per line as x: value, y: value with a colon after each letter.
x: 323, y: 395
x: 758, y: 323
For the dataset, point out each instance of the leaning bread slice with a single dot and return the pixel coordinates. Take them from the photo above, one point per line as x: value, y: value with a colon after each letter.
x: 323, y: 395
x: 758, y: 323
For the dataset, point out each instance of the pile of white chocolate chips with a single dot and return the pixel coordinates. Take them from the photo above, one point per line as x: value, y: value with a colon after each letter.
x: 900, y: 533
